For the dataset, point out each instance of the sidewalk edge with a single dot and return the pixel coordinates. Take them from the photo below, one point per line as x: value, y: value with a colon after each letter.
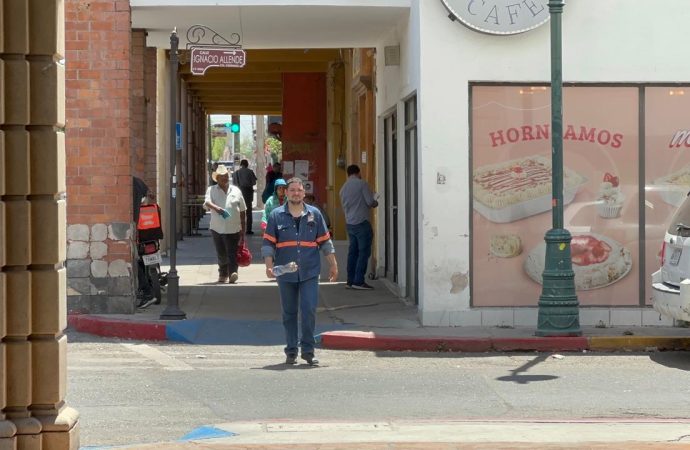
x: 118, y: 328
x: 362, y: 340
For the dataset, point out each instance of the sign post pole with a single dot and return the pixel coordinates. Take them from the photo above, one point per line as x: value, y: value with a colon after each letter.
x: 172, y: 310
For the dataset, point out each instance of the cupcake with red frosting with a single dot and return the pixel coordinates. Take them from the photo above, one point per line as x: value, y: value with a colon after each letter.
x: 610, y: 198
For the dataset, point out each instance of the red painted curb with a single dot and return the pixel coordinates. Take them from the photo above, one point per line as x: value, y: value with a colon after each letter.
x: 363, y: 340
x: 127, y: 329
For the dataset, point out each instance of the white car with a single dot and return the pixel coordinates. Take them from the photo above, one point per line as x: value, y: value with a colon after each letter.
x: 671, y: 283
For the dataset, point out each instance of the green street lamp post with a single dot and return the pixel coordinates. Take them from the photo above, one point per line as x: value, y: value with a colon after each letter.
x: 558, y: 306
x: 172, y: 310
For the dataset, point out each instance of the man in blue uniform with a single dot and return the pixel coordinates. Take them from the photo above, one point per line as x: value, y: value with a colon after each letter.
x: 295, y: 233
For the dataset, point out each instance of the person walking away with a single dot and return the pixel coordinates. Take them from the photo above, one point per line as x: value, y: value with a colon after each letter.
x: 245, y: 179
x: 271, y: 176
x: 357, y: 199
x: 228, y: 216
x: 295, y: 233
x: 275, y: 200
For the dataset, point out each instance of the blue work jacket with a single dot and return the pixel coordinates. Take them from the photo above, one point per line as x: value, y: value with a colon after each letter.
x: 285, y: 243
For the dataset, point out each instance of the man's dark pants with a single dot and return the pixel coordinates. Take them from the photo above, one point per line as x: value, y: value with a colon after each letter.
x: 226, y: 251
x: 248, y: 194
x: 358, y: 253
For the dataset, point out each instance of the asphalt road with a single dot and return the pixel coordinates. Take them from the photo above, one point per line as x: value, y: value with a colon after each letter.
x: 128, y: 391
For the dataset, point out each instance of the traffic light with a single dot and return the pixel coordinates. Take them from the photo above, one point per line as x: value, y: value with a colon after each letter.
x: 233, y: 126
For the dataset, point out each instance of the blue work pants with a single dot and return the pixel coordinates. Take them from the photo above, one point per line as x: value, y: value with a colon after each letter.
x: 358, y: 253
x: 302, y: 297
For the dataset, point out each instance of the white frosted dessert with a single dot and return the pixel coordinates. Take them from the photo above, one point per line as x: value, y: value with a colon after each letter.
x: 674, y: 187
x: 520, y: 180
x: 610, y: 200
x: 597, y: 261
x: 505, y: 245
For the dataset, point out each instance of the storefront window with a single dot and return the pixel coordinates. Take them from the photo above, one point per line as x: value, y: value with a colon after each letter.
x: 667, y: 165
x: 511, y: 192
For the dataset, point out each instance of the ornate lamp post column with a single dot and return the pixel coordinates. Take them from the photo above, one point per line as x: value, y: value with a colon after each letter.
x: 172, y: 310
x: 558, y: 305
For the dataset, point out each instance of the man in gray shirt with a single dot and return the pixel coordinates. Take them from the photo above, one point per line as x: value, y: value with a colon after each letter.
x: 357, y: 199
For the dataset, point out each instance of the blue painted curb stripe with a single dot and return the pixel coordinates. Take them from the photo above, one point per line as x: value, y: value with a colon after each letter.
x: 206, y: 432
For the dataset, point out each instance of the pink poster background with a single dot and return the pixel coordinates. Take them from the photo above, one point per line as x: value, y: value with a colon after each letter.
x: 666, y: 112
x: 503, y: 281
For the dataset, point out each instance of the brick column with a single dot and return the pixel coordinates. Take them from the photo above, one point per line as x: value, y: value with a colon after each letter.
x: 150, y: 98
x: 99, y: 173
x: 32, y: 230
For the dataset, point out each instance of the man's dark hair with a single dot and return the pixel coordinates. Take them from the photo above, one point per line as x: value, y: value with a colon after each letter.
x: 352, y: 169
x: 297, y: 180
x: 244, y: 163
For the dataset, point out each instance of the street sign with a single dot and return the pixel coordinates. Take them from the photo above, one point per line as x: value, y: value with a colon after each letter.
x: 204, y: 57
x: 178, y: 135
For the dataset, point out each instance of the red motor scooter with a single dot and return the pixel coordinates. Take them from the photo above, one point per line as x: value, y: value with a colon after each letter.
x: 149, y: 233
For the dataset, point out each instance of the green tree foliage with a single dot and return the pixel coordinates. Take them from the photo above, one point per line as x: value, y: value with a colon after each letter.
x: 247, y: 147
x: 217, y: 148
x: 275, y: 147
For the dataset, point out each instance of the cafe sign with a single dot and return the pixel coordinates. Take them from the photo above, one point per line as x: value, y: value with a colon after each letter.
x: 500, y: 17
x: 204, y: 57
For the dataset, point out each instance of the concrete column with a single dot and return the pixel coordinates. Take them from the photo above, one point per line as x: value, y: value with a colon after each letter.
x: 33, y: 414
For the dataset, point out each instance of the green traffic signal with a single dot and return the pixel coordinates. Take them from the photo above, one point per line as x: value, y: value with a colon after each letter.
x: 235, y: 127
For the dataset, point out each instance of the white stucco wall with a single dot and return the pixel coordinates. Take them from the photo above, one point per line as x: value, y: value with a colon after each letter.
x: 611, y: 41
x: 395, y: 83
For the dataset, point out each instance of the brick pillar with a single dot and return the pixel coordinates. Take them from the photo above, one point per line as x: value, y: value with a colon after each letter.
x: 99, y: 142
x: 33, y: 362
x: 150, y: 91
x: 137, y: 105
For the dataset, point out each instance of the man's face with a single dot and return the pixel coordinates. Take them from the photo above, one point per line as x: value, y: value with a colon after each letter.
x: 223, y: 180
x: 295, y: 193
x: 280, y: 191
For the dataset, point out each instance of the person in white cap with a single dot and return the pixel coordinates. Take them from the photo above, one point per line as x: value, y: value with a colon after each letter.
x: 228, y: 219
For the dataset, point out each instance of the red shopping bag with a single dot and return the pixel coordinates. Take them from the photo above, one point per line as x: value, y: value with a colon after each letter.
x: 244, y: 256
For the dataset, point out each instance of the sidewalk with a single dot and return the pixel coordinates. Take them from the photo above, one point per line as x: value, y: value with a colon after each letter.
x: 437, y: 435
x: 248, y: 313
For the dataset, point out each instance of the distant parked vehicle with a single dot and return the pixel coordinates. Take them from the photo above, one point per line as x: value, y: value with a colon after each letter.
x: 671, y: 283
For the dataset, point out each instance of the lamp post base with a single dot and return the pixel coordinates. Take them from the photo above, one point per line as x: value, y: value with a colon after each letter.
x: 172, y: 311
x: 558, y: 305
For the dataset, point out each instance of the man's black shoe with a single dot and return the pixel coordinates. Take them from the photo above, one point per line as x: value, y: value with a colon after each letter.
x: 309, y: 358
x: 143, y: 299
x: 147, y: 303
x: 291, y: 359
x: 362, y: 287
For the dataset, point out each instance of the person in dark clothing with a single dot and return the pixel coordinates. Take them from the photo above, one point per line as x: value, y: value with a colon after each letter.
x: 245, y: 179
x: 139, y: 190
x: 271, y: 178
